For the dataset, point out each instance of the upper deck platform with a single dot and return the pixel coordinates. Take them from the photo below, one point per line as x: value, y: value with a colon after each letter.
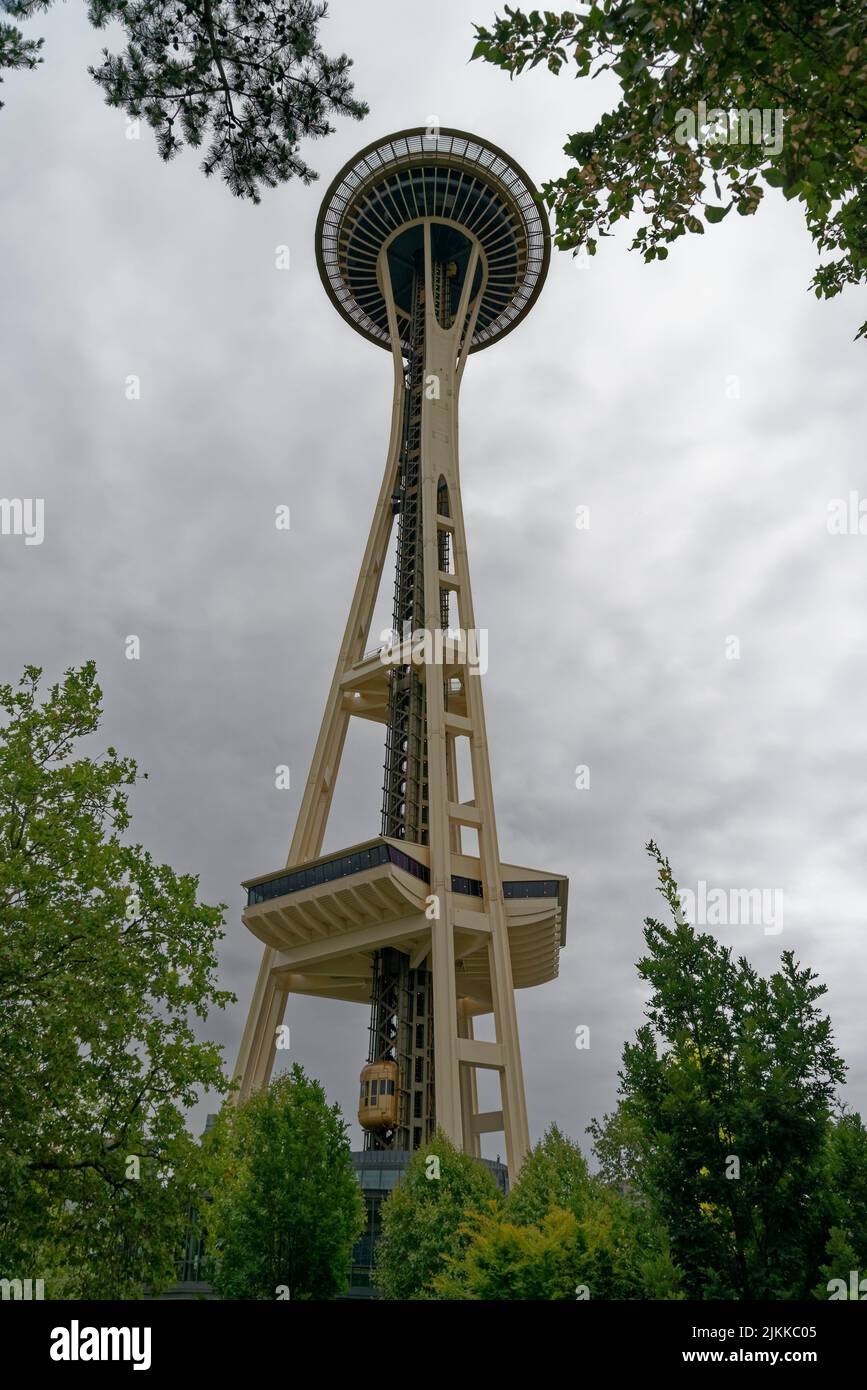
x: 461, y: 182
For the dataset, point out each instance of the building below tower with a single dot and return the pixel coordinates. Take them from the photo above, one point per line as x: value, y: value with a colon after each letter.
x: 378, y: 1172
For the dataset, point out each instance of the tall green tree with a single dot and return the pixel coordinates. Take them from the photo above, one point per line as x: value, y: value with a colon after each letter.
x: 726, y: 1099
x: 846, y: 1196
x: 424, y: 1218
x: 847, y: 1178
x: 806, y: 59
x: 107, y: 958
x: 285, y: 1207
x: 554, y: 1174
x: 251, y: 80
x: 561, y: 1234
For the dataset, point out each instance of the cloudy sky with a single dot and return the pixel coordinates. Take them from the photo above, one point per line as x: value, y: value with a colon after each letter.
x: 706, y: 410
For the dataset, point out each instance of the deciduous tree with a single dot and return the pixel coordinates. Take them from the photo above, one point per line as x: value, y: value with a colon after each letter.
x: 806, y: 59
x: 726, y: 1100
x: 285, y: 1207
x: 424, y: 1218
x: 561, y: 1234
x: 106, y: 960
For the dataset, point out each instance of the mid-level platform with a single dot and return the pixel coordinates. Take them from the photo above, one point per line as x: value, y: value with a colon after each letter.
x: 327, y: 918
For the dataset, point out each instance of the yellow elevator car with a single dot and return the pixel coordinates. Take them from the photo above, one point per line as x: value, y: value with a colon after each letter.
x: 377, y: 1106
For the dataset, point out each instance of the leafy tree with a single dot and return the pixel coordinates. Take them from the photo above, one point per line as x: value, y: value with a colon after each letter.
x: 560, y: 1234
x: 251, y: 79
x: 847, y: 1161
x: 424, y: 1218
x: 846, y: 1194
x: 285, y: 1209
x: 105, y: 957
x: 623, y: 1247
x: 554, y: 1174
x: 618, y: 1145
x: 725, y: 1100
x: 804, y: 58
x: 840, y: 1261
x: 505, y: 1261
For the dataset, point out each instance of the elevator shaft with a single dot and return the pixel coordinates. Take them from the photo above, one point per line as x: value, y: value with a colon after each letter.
x: 401, y: 1023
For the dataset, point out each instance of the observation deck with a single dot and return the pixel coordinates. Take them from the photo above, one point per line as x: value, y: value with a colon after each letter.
x: 461, y: 184
x: 326, y: 918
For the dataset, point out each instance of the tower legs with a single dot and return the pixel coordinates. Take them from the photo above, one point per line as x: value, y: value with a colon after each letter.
x: 258, y: 1044
x: 453, y: 709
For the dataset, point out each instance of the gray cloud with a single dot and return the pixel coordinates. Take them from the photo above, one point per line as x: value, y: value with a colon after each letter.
x: 607, y: 646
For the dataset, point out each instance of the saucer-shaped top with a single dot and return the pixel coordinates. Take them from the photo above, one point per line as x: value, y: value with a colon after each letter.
x: 455, y: 179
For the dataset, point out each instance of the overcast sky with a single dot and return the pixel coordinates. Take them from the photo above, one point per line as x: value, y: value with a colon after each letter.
x: 706, y: 410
